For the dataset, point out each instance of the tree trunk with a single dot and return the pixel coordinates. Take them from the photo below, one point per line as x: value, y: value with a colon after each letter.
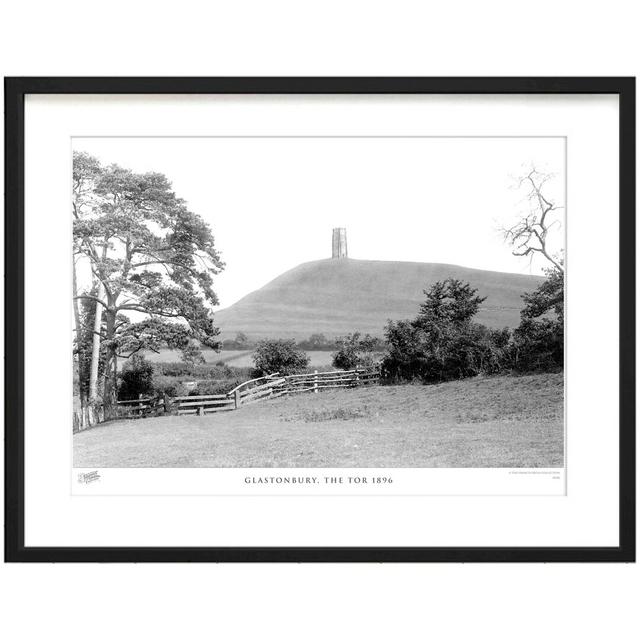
x: 111, y: 364
x: 79, y: 348
x: 95, y: 351
x: 76, y: 307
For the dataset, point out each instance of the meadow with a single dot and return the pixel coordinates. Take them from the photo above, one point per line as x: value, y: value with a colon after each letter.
x: 234, y: 358
x: 505, y: 421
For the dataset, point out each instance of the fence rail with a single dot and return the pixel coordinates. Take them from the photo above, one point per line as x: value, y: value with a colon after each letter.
x: 142, y: 407
x: 255, y: 390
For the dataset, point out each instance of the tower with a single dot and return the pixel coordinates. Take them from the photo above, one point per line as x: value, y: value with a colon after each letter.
x: 339, y: 243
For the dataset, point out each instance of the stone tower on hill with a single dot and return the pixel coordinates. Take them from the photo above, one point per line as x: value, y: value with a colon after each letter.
x: 339, y: 243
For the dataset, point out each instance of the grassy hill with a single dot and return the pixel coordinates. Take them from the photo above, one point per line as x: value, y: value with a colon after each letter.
x: 335, y: 297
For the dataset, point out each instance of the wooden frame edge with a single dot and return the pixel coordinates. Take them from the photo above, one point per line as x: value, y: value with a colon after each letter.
x: 15, y: 91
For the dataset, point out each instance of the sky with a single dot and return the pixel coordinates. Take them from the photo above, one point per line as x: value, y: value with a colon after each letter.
x: 272, y: 202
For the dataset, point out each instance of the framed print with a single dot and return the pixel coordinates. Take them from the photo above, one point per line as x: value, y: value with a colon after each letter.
x: 320, y: 319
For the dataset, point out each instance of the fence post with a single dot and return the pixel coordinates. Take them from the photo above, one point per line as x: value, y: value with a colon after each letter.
x: 357, y: 376
x: 200, y: 410
x: 315, y: 381
x: 167, y: 403
x: 236, y: 399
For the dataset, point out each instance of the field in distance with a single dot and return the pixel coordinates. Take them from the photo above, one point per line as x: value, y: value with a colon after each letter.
x: 506, y: 421
x: 234, y: 358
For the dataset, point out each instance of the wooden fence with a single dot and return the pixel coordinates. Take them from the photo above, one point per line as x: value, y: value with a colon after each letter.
x: 248, y: 392
x: 273, y: 386
x: 92, y: 414
x: 140, y: 408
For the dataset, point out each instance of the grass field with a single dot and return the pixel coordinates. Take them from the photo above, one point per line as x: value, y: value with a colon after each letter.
x: 511, y: 421
x: 234, y: 358
x: 211, y: 357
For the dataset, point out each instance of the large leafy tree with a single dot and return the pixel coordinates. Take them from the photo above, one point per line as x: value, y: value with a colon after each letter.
x: 547, y: 298
x: 86, y: 170
x: 450, y: 301
x: 279, y: 356
x: 354, y: 351
x: 152, y: 259
x: 539, y: 338
x: 443, y: 342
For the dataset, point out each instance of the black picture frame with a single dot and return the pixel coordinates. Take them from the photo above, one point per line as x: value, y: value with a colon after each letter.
x: 15, y: 91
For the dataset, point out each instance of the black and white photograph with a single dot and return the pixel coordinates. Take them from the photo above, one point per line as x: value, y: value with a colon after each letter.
x: 318, y: 302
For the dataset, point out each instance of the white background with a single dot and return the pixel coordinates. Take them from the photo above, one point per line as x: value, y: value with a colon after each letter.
x: 330, y: 38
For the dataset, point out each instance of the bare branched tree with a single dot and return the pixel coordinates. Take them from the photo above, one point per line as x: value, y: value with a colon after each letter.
x: 530, y: 235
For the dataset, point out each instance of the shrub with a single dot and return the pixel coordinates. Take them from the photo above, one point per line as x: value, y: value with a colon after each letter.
x: 174, y: 385
x: 215, y: 371
x: 216, y: 387
x: 442, y: 343
x: 240, y: 372
x: 317, y: 342
x: 279, y: 356
x: 166, y: 384
x: 354, y: 351
x: 136, y: 378
x: 223, y: 370
x: 240, y: 343
x: 539, y: 345
x: 174, y: 368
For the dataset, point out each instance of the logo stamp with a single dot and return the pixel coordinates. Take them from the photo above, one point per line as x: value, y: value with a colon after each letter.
x: 88, y: 477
